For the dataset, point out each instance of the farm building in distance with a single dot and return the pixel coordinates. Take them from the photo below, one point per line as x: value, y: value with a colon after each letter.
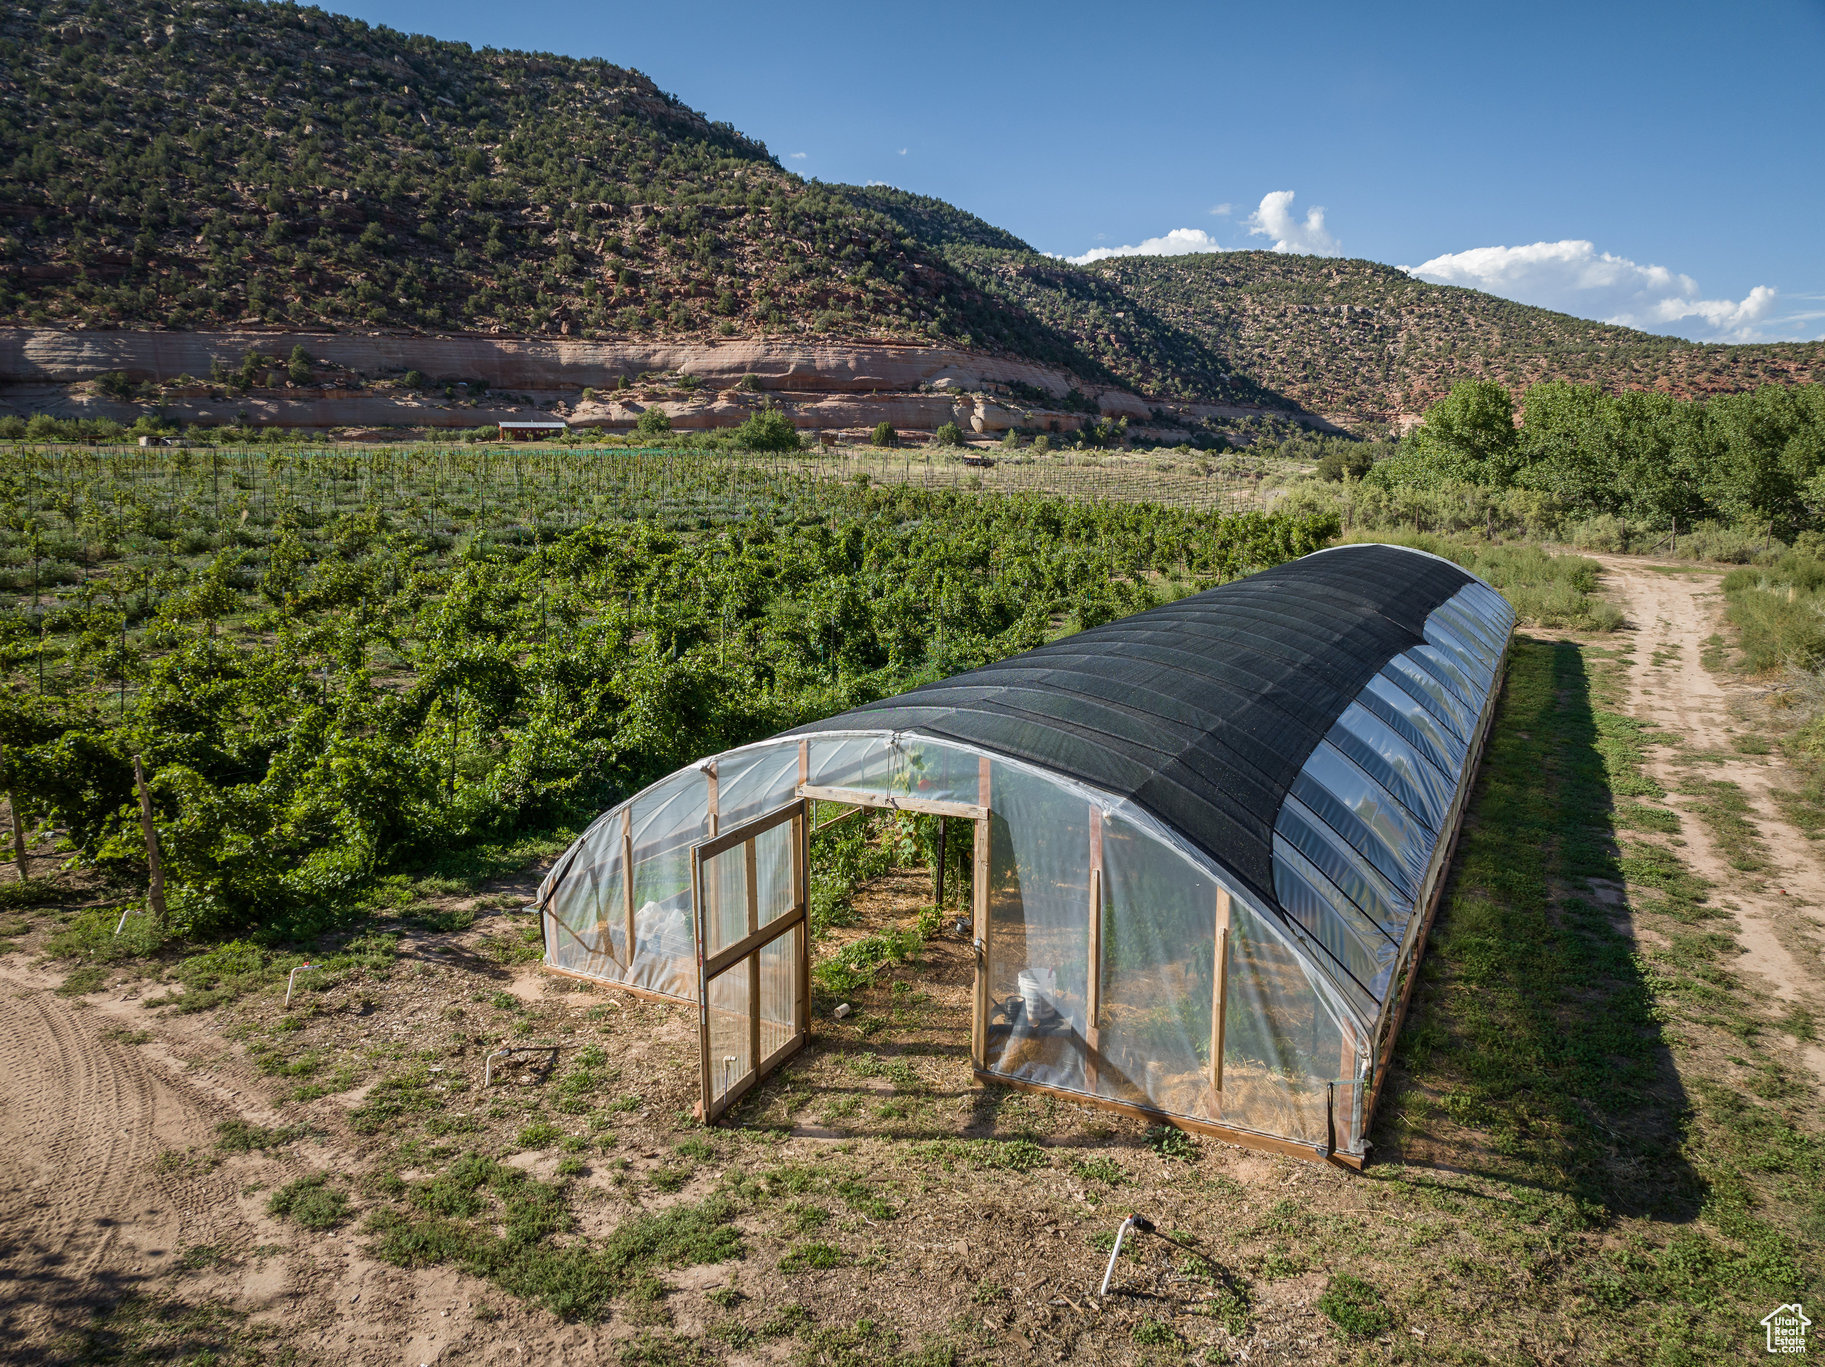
x: 1207, y: 843
x: 533, y: 430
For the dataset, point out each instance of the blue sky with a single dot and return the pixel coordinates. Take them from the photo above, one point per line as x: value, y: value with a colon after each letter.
x: 1656, y: 164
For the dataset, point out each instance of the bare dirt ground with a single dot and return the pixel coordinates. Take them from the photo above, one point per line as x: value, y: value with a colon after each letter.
x: 1677, y: 612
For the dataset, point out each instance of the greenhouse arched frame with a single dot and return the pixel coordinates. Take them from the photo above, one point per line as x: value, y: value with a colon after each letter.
x: 1209, y: 842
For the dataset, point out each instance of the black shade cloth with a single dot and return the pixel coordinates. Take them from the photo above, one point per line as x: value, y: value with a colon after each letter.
x: 1203, y: 711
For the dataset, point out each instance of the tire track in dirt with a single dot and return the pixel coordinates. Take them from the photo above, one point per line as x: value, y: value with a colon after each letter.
x: 84, y: 1211
x: 1675, y: 615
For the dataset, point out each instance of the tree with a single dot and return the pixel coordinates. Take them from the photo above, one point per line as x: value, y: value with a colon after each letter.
x: 768, y: 430
x: 948, y: 435
x: 414, y: 379
x: 654, y: 422
x: 1345, y: 460
x: 298, y: 368
x: 1469, y: 435
x: 884, y: 435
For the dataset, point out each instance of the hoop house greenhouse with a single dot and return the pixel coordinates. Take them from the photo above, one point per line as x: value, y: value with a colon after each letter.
x: 1208, y: 841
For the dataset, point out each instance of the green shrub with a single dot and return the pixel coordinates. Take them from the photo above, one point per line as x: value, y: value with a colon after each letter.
x: 767, y: 430
x: 653, y: 422
x: 884, y: 435
x: 948, y: 434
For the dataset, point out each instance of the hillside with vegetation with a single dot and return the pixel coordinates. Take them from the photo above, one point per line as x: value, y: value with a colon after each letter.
x: 1347, y: 337
x: 224, y: 164
x: 204, y: 165
x: 1358, y: 337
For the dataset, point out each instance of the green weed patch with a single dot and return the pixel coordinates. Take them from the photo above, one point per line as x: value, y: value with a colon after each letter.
x: 497, y: 1222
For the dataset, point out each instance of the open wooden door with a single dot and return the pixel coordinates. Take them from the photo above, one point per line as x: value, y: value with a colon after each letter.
x: 753, y: 957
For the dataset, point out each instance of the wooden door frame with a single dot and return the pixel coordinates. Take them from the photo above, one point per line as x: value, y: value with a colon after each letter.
x: 730, y: 957
x: 979, y: 814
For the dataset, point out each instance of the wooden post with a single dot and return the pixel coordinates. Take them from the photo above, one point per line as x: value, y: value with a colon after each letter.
x: 979, y: 917
x: 801, y: 841
x: 1093, y: 980
x: 753, y: 959
x: 938, y: 880
x: 155, y: 887
x: 627, y: 879
x: 710, y: 773
x: 706, y: 1099
x: 1219, y: 1002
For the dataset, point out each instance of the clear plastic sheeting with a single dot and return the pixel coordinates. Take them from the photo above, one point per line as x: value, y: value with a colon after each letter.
x: 1359, y: 832
x: 731, y: 1031
x: 1282, y: 1048
x: 897, y: 766
x: 1039, y: 928
x: 751, y: 783
x: 1159, y: 969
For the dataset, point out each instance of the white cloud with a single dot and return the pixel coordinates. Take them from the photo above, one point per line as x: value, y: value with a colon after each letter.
x: 1178, y: 242
x: 1223, y: 210
x: 871, y: 184
x: 1574, y: 277
x: 902, y: 151
x: 1275, y: 219
x: 798, y: 156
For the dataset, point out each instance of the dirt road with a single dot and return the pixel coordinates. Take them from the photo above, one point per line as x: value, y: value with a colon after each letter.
x: 85, y: 1209
x: 1779, y: 911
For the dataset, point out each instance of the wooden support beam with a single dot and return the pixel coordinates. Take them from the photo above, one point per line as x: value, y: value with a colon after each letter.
x: 893, y: 802
x: 1267, y: 1143
x: 979, y: 916
x: 706, y: 1100
x: 723, y: 959
x: 627, y: 879
x: 1219, y: 1003
x: 801, y: 845
x: 753, y: 959
x: 1093, y: 968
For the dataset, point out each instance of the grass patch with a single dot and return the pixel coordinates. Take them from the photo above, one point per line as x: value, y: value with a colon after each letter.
x: 1355, y: 1307
x: 1004, y: 1155
x: 230, y: 971
x: 1101, y: 1168
x: 405, y: 1096
x: 239, y: 1136
x: 142, y: 1329
x: 1720, y: 804
x: 497, y: 1222
x: 29, y: 892
x: 811, y: 1257
x: 311, y: 1202
x: 82, y: 981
